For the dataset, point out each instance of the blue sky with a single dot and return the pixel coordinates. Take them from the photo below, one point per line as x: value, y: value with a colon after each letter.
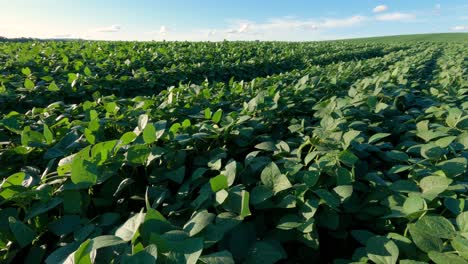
x: 293, y: 20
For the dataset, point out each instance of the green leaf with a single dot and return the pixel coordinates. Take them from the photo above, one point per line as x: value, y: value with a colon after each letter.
x: 453, y: 117
x: 265, y: 252
x: 273, y: 179
x: 221, y: 257
x: 28, y: 84
x: 217, y: 116
x: 460, y: 244
x: 130, y: 227
x: 23, y: 234
x: 267, y: 146
x: 84, y: 169
x: 142, y: 121
x: 245, y: 210
x: 42, y: 207
x: 53, y: 87
x: 462, y: 223
x: 437, y: 226
x: 414, y: 204
x: 432, y: 186
x: 348, y: 158
x: 148, y: 255
x: 362, y: 236
x: 149, y: 134
x: 13, y: 185
x: 453, y: 167
x: 376, y: 137
x: 446, y: 258
x: 138, y: 154
x: 49, y: 137
x: 82, y: 254
x: 106, y: 241
x: 423, y: 240
x: 198, y: 222
x: 87, y: 71
x: 382, y: 250
x: 289, y: 221
x: 207, y: 113
x: 260, y: 193
x: 348, y: 137
x: 26, y: 71
x: 310, y: 178
x: 218, y: 183
x: 65, y: 225
x: 329, y: 198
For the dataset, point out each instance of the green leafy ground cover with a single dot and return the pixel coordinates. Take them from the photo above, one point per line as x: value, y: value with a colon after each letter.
x: 234, y: 152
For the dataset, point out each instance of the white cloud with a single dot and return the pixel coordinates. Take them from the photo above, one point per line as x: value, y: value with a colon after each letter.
x: 243, y: 28
x: 163, y: 30
x: 289, y: 24
x: 460, y: 28
x: 396, y: 16
x: 63, y: 36
x: 380, y: 8
x: 113, y: 28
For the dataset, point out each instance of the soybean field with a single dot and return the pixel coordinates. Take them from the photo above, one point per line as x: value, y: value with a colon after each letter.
x: 350, y: 151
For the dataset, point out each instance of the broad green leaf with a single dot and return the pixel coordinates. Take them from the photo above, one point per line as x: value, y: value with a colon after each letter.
x: 460, y: 244
x: 148, y: 255
x: 49, y: 137
x: 42, y: 207
x: 434, y: 185
x: 267, y: 252
x: 424, y: 240
x: 198, y: 222
x: 28, y: 84
x: 130, y: 227
x: 382, y: 250
x: 272, y: 178
x: 437, y: 226
x: 289, y: 221
x: 65, y: 225
x: 26, y: 71
x: 221, y: 257
x: 414, y: 204
x: 217, y: 116
x: 149, y: 134
x: 446, y: 258
x: 82, y: 254
x: 23, y: 234
x: 376, y: 137
x: 462, y: 223
x: 53, y: 87
x: 348, y: 137
x: 348, y: 158
x: 453, y: 167
x: 84, y: 169
x: 218, y: 183
x: 142, y: 121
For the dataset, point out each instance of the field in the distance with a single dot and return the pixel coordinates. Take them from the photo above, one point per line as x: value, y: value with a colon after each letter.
x: 348, y: 151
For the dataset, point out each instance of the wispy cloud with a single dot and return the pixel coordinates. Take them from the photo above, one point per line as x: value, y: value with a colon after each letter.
x: 292, y: 24
x: 112, y: 28
x: 163, y: 30
x: 396, y: 16
x: 62, y: 36
x: 460, y: 28
x: 380, y: 8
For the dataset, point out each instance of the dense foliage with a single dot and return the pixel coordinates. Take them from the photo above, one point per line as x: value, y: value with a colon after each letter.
x: 234, y: 152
